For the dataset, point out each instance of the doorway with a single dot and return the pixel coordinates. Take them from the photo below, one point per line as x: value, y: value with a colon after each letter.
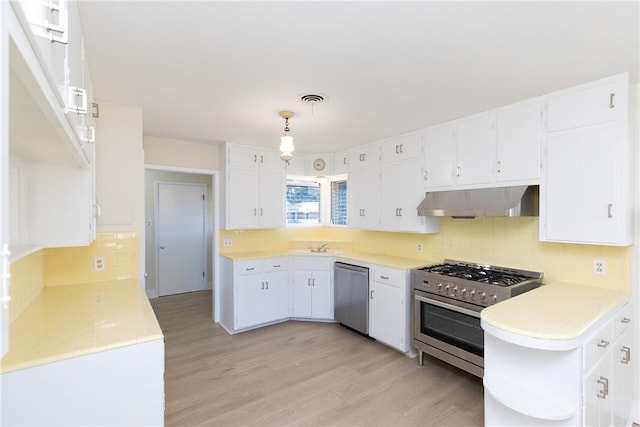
x: 181, y: 237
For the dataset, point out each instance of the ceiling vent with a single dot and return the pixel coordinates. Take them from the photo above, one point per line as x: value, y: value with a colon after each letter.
x: 312, y: 98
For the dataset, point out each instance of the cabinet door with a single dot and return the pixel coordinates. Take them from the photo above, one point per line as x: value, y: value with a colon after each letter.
x: 243, y: 157
x: 597, y: 395
x: 387, y: 314
x: 271, y: 194
x: 474, y: 150
x: 518, y: 133
x: 75, y: 98
x: 341, y: 163
x: 591, y: 105
x: 439, y: 157
x: 276, y: 297
x: 401, y: 190
x: 406, y: 147
x: 242, y: 197
x: 302, y: 293
x: 270, y: 161
x: 580, y: 191
x: 364, y: 199
x: 622, y: 379
x: 367, y: 156
x: 322, y: 297
x: 250, y: 309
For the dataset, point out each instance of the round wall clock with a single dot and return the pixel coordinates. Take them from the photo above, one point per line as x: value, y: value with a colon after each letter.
x: 318, y: 164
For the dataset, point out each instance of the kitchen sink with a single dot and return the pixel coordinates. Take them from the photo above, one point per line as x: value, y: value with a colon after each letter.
x: 311, y: 252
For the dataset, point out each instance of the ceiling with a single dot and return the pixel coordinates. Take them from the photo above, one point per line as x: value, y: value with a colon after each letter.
x: 221, y: 71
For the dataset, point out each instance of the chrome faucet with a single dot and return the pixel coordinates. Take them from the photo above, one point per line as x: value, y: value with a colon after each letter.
x: 320, y: 249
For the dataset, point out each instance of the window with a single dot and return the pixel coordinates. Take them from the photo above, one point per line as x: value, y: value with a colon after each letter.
x: 339, y: 202
x: 303, y: 202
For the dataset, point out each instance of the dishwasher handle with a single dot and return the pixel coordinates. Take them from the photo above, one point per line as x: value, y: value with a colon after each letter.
x: 351, y: 267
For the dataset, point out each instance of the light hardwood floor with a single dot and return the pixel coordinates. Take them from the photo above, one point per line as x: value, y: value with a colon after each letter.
x: 301, y: 373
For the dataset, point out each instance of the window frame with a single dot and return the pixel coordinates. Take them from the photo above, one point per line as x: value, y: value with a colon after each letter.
x: 325, y: 199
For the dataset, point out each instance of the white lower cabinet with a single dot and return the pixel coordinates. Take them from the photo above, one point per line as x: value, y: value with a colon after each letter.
x: 389, y: 313
x: 254, y: 292
x: 585, y: 383
x: 312, y: 288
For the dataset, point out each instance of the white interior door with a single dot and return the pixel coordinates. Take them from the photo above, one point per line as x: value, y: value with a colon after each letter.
x: 181, y: 238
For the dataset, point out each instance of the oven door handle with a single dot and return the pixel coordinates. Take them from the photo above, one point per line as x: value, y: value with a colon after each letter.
x: 448, y: 306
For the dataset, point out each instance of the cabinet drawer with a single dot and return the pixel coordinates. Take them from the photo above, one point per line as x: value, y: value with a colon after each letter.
x: 597, y: 346
x: 621, y: 321
x: 275, y: 264
x: 250, y: 266
x: 388, y: 275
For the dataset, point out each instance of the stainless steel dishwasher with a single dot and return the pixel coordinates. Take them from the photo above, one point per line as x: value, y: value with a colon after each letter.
x: 351, y: 296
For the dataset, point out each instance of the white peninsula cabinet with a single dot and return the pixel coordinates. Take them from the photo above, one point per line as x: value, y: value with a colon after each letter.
x: 312, y: 288
x: 253, y: 188
x: 254, y: 292
x: 588, y: 165
x: 389, y: 307
x: 541, y: 369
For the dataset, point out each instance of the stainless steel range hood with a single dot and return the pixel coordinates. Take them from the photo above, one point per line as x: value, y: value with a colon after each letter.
x: 500, y: 201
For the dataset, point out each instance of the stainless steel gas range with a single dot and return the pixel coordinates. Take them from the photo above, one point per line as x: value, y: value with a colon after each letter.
x: 448, y: 299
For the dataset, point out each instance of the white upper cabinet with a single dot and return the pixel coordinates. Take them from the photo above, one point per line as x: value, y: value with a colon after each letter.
x: 402, y: 148
x: 586, y: 195
x: 341, y: 162
x: 246, y: 157
x: 595, y: 103
x: 474, y: 150
x: 51, y: 166
x: 518, y: 142
x: 365, y: 156
x: 254, y: 188
x: 460, y: 153
x: 439, y: 156
x: 363, y: 197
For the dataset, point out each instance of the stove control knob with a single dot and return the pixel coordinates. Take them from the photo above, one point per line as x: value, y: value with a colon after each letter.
x: 494, y: 299
x: 472, y: 295
x: 440, y: 287
x: 455, y: 291
x: 483, y: 297
x: 446, y: 289
x: 463, y: 293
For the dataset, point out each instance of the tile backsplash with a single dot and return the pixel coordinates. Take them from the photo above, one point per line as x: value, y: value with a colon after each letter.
x: 27, y: 282
x: 74, y: 265
x: 509, y: 242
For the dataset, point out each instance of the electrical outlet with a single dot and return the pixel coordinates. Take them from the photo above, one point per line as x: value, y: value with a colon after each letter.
x: 419, y: 247
x: 599, y: 267
x: 98, y: 263
x: 227, y: 243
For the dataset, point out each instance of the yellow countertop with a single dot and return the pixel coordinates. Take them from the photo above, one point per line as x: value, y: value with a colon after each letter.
x: 369, y: 258
x: 75, y: 320
x: 556, y: 312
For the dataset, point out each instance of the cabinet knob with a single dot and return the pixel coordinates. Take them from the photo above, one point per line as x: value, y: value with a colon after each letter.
x: 611, y: 104
x: 603, y: 343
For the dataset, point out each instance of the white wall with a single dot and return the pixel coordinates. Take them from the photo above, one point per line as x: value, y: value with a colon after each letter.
x: 173, y: 152
x: 120, y: 171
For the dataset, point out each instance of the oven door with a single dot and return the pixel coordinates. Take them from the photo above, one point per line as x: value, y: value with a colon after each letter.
x: 449, y: 330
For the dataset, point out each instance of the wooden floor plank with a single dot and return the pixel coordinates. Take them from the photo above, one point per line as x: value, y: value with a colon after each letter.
x: 300, y: 373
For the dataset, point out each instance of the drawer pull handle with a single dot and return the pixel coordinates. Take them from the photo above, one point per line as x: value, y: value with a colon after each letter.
x: 250, y: 268
x: 625, y: 320
x: 384, y: 277
x: 611, y: 104
x: 603, y: 343
x: 626, y: 355
x: 371, y: 294
x: 604, y: 391
x: 276, y: 266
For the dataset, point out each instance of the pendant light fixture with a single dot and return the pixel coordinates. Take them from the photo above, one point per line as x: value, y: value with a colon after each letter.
x: 286, y: 140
